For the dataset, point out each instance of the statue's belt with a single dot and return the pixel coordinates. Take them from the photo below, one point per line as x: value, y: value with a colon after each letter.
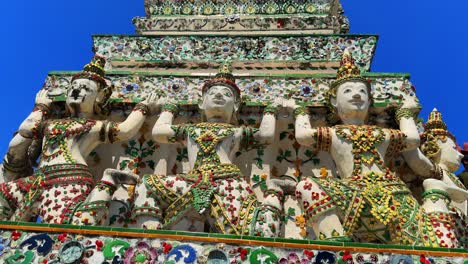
x: 203, y: 188
x: 56, y: 174
x: 213, y: 171
x: 351, y: 196
x: 63, y: 173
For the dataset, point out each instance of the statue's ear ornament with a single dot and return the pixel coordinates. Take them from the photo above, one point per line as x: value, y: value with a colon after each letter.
x: 430, y: 148
x: 103, y: 101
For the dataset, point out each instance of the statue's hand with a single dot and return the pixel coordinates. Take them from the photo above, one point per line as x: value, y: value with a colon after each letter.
x: 42, y: 97
x: 164, y: 100
x: 278, y: 102
x: 410, y: 103
x: 290, y: 104
x: 151, y: 101
x: 120, y: 177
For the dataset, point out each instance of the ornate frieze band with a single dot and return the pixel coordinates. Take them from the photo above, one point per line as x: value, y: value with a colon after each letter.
x: 249, y: 7
x: 68, y: 244
x: 170, y: 51
x: 251, y: 24
x: 386, y: 89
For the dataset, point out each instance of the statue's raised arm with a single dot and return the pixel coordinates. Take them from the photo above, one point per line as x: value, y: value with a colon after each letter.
x: 214, y: 190
x: 444, y: 197
x: 62, y: 178
x: 369, y: 200
x: 19, y: 158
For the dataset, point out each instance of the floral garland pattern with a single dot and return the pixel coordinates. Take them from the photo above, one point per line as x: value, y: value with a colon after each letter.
x: 215, y: 7
x: 218, y: 49
x: 240, y: 23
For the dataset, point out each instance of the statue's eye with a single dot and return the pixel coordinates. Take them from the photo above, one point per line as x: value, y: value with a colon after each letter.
x: 347, y: 90
x: 363, y: 91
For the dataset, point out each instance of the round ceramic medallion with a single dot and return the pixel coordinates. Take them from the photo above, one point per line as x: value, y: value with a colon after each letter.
x: 167, y: 9
x: 250, y: 8
x: 290, y: 8
x: 208, y: 9
x: 270, y: 8
x: 229, y: 9
x: 310, y: 8
x: 401, y: 259
x: 71, y: 252
x: 186, y: 9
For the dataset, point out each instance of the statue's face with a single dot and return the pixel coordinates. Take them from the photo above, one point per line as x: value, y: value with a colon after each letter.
x: 219, y: 98
x: 83, y: 93
x: 351, y: 96
x: 449, y: 155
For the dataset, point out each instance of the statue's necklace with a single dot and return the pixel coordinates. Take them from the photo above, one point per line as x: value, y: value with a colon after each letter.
x: 59, y: 131
x: 210, y: 134
x: 364, y: 140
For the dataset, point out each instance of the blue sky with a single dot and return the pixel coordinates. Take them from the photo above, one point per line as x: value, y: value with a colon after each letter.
x: 423, y: 38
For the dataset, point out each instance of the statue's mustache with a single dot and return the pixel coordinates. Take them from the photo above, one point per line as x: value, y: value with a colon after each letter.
x: 75, y: 94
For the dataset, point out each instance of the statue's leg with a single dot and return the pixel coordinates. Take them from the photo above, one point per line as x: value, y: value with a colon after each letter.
x: 461, y: 226
x: 234, y: 209
x: 11, y: 196
x: 320, y: 210
x: 146, y: 211
x: 151, y: 193
x: 58, y: 201
x: 95, y: 210
x: 436, y: 202
x: 269, y: 213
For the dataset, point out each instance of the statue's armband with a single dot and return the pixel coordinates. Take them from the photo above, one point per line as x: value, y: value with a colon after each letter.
x: 36, y: 130
x: 397, y: 143
x: 323, y: 139
x: 109, y: 132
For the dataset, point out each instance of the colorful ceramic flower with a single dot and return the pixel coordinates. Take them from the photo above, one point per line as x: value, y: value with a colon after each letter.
x: 142, y: 253
x: 130, y: 88
x: 4, y: 245
x: 293, y: 258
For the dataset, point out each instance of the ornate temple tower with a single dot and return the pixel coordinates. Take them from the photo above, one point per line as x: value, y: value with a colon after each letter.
x: 271, y: 54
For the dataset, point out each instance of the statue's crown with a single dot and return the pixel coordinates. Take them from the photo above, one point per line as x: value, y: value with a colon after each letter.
x: 94, y: 70
x: 348, y: 71
x: 436, y: 126
x: 223, y: 77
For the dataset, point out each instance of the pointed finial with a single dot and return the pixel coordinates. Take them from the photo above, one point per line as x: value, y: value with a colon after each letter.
x: 435, y: 121
x: 226, y: 67
x: 94, y: 70
x: 436, y: 126
x: 348, y: 68
x: 223, y: 77
x: 348, y: 71
x: 225, y: 71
